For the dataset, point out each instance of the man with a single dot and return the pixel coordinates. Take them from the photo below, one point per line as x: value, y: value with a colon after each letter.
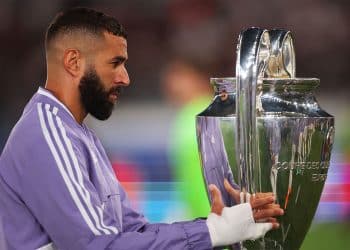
x: 57, y: 187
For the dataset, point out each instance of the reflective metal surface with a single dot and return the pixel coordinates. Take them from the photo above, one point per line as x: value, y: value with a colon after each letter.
x: 282, y: 58
x: 252, y: 56
x: 273, y: 137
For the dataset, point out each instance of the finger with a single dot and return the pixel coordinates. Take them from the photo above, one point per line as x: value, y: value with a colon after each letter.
x: 273, y: 221
x: 217, y: 203
x: 233, y: 192
x: 270, y: 219
x: 269, y: 206
x: 275, y: 225
x: 258, y: 202
x: 266, y: 213
x: 263, y: 195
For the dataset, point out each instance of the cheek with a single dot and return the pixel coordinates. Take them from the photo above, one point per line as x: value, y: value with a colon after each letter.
x: 106, y: 76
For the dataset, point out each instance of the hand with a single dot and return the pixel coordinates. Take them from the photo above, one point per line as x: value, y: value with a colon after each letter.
x: 229, y: 225
x: 264, y: 208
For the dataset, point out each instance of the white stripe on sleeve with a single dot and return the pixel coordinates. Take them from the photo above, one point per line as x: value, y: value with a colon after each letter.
x: 79, y: 186
x: 77, y: 169
x: 64, y: 174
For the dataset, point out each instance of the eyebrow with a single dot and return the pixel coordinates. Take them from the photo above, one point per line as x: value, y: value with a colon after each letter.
x: 119, y: 58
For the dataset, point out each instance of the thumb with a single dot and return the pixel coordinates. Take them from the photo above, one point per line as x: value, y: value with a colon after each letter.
x: 217, y: 204
x: 235, y: 194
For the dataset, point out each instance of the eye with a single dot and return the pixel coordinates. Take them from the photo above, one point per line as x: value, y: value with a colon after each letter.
x: 116, y: 63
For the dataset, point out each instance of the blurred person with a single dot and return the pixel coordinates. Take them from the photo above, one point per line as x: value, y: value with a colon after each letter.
x: 185, y: 86
x: 344, y: 141
x: 57, y: 186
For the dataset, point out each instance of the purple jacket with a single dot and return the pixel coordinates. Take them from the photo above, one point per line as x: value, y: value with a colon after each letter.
x: 58, y: 191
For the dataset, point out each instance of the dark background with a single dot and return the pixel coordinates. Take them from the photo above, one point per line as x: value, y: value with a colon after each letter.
x: 205, y: 31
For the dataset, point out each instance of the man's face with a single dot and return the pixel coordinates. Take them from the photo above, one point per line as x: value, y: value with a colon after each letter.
x: 102, y: 82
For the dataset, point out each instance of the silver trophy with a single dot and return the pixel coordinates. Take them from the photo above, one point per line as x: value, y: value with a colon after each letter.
x: 265, y: 132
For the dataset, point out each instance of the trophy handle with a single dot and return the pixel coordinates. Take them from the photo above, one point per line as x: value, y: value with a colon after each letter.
x: 253, y: 52
x: 260, y: 53
x: 281, y: 63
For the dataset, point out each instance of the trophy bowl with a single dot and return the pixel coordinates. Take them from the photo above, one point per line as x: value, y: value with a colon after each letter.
x: 265, y: 132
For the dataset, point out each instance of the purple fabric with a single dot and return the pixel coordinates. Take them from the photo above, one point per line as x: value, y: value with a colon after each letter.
x: 57, y: 185
x: 214, y: 158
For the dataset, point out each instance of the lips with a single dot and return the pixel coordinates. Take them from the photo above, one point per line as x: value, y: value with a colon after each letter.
x: 113, y: 97
x: 114, y: 93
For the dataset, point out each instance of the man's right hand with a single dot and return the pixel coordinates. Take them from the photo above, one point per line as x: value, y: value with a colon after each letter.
x: 263, y: 204
x: 229, y: 225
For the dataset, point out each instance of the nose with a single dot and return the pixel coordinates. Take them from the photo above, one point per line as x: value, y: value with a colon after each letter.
x: 122, y: 77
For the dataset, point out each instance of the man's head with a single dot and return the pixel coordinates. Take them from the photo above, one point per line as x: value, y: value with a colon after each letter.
x: 86, y: 51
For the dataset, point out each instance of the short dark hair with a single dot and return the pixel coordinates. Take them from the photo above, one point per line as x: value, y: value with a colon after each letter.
x: 83, y: 19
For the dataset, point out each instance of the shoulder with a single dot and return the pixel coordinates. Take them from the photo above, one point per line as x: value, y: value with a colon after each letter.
x: 41, y: 130
x: 27, y: 131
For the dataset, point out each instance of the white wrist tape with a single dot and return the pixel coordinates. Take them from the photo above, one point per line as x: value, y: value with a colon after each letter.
x: 234, y: 225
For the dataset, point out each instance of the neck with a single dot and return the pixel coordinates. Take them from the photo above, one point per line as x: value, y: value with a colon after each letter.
x: 70, y: 98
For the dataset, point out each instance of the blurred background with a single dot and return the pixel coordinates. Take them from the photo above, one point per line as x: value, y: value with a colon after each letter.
x: 174, y: 47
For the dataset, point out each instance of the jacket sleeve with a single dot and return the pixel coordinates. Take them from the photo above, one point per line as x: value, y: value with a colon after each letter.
x: 56, y: 188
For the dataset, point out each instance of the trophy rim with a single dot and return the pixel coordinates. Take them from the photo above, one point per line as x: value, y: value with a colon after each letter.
x: 228, y: 84
x: 296, y: 80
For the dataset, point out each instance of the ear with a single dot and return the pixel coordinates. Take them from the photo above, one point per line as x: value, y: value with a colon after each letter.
x: 73, y: 62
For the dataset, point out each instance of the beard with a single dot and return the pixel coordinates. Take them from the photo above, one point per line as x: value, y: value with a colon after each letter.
x: 94, y: 97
